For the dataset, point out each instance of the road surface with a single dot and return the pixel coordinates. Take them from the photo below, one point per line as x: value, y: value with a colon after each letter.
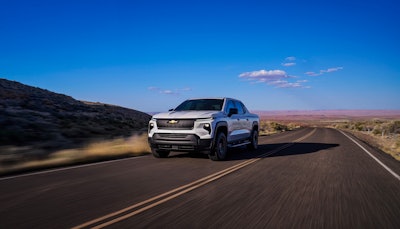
x: 308, y: 178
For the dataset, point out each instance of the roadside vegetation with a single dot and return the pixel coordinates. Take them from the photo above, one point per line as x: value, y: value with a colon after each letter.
x: 382, y: 134
x: 273, y: 127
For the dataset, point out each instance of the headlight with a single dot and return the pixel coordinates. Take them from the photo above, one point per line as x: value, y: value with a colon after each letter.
x: 152, y: 124
x: 207, y: 126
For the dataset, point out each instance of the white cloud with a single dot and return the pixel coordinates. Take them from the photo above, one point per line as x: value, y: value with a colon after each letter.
x: 332, y: 69
x: 281, y: 79
x: 313, y: 74
x: 290, y: 85
x: 264, y: 75
x: 288, y: 64
x: 287, y: 84
x: 323, y: 71
x: 289, y: 61
x: 168, y: 91
x: 277, y: 78
x: 290, y: 58
x: 302, y: 81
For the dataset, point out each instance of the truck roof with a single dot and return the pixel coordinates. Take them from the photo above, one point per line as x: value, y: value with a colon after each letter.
x: 212, y: 98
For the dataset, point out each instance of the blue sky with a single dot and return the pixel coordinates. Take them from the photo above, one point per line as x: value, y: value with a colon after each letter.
x: 151, y: 55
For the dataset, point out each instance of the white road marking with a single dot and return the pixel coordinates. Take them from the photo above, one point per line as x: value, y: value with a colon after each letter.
x: 370, y: 154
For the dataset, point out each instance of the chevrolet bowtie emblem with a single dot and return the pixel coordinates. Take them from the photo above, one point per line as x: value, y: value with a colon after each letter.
x: 173, y: 121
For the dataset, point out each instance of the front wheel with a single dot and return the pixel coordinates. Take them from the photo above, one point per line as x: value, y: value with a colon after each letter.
x: 160, y: 153
x: 253, y: 140
x: 220, y: 148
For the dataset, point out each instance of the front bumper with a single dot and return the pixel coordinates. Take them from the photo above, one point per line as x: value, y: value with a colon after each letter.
x: 179, y: 142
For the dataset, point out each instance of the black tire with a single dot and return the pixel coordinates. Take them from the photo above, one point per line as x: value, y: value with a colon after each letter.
x: 220, y: 148
x: 160, y: 153
x: 253, y: 140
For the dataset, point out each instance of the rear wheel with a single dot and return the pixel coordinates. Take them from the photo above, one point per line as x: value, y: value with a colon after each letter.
x: 220, y: 148
x: 253, y: 140
x: 160, y: 153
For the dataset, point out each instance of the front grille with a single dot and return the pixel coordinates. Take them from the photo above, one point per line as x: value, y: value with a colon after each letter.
x: 177, y: 136
x: 176, y: 124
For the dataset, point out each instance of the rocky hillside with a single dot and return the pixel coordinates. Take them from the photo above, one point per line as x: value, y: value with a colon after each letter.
x: 30, y: 116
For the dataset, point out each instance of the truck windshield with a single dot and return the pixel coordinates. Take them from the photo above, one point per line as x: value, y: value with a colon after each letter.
x: 201, y: 105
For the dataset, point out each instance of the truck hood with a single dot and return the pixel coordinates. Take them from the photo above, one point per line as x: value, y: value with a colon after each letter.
x: 188, y: 114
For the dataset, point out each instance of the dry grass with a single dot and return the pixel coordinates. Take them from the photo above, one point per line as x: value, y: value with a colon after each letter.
x: 388, y: 144
x: 121, y: 147
x: 382, y: 134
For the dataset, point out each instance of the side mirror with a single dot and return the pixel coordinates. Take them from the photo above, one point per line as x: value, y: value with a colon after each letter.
x: 171, y: 110
x: 232, y: 111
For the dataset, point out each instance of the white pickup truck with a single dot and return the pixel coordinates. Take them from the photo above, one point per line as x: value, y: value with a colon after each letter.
x: 209, y: 125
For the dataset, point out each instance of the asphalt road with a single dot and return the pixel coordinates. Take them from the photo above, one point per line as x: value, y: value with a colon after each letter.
x: 308, y: 178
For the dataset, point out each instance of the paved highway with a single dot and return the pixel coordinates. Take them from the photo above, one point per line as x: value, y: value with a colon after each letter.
x: 308, y: 178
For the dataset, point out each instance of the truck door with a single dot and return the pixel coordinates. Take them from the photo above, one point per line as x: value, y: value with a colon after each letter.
x: 233, y: 123
x: 245, y: 124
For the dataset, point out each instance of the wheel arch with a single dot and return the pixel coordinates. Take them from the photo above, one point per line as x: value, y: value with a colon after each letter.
x: 255, y: 126
x: 220, y: 126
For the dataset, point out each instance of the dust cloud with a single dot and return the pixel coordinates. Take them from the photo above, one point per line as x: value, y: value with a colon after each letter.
x: 134, y: 145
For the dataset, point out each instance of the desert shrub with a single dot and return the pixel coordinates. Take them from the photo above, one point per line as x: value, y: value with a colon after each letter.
x: 359, y: 126
x: 345, y: 126
x: 377, y: 131
x: 394, y: 127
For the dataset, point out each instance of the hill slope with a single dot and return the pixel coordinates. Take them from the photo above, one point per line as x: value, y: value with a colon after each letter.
x: 30, y: 116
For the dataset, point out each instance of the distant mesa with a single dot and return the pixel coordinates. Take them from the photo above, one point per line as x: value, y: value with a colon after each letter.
x: 328, y: 114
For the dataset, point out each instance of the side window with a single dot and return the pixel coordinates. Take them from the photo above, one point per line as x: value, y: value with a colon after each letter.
x: 230, y: 105
x: 239, y: 107
x: 243, y: 107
